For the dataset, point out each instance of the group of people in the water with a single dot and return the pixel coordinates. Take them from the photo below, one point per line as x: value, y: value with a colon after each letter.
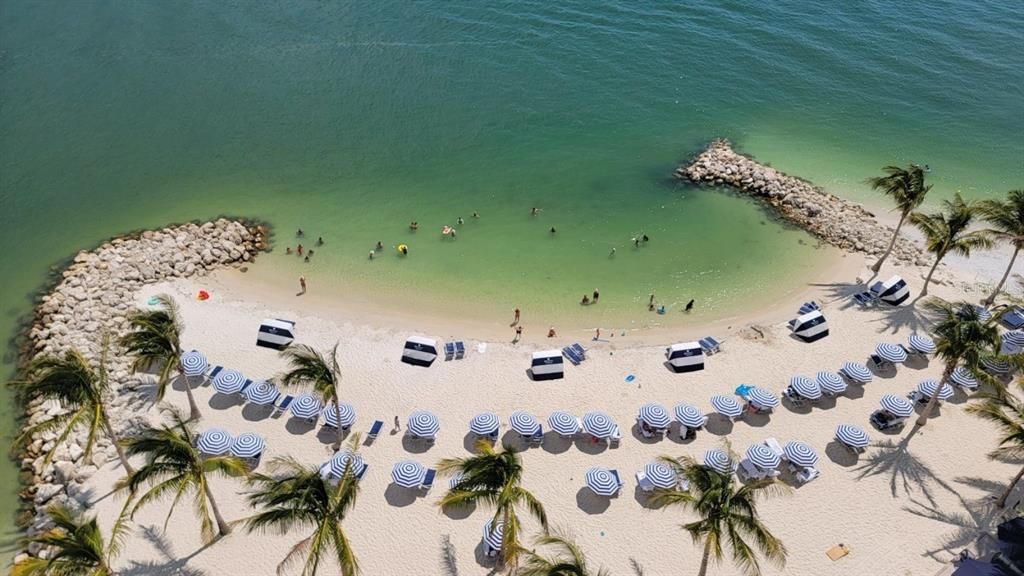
x: 300, y: 249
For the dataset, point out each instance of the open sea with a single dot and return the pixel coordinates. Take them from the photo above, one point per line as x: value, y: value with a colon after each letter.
x: 352, y: 119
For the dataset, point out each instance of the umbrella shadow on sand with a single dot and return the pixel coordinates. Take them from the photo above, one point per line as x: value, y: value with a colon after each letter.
x: 591, y: 503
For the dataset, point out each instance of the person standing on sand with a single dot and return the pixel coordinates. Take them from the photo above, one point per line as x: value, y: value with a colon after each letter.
x: 476, y: 215
x: 460, y: 221
x: 552, y: 229
x: 597, y: 334
x: 302, y: 284
x: 551, y: 332
x: 516, y: 319
x: 398, y: 425
x: 612, y: 253
x: 534, y: 211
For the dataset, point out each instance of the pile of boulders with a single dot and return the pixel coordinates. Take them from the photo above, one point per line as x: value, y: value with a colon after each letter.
x: 95, y: 296
x: 839, y: 222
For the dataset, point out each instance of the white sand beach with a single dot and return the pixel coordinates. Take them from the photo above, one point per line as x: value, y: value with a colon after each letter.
x: 906, y: 506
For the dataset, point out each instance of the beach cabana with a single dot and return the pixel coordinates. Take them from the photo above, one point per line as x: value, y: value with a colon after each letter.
x: 214, y: 442
x: 306, y: 407
x: 928, y: 388
x: 719, y: 461
x: 547, y: 365
x: 247, y: 445
x: 419, y: 351
x: 657, y: 475
x: 408, y: 474
x: 853, y: 437
x: 830, y: 382
x: 276, y: 334
x: 921, y: 344
x: 485, y: 424
x: 962, y: 377
x: 603, y: 482
x: 690, y: 418
x: 344, y: 416
x: 564, y: 423
x: 654, y: 417
x: 599, y: 425
x: 423, y: 424
x: 261, y: 393
x: 726, y: 406
x: 193, y: 364
x: 346, y: 460
x: 893, y: 291
x: 493, y: 535
x: 809, y: 327
x: 856, y: 372
x: 686, y: 357
x: 228, y: 381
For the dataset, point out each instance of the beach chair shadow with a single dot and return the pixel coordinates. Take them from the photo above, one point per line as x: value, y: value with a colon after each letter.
x: 591, y: 503
x: 459, y: 512
x: 719, y: 425
x: 256, y: 413
x: 586, y: 444
x: 514, y: 440
x: 672, y: 434
x: 757, y: 419
x: 399, y: 497
x: 470, y: 440
x: 841, y: 455
x: 299, y: 426
x: 827, y: 402
x: 485, y: 561
x: 804, y: 407
x: 555, y: 443
x: 328, y: 435
x: 638, y: 435
x: 415, y: 445
x: 854, y: 391
x: 643, y: 498
x: 224, y: 401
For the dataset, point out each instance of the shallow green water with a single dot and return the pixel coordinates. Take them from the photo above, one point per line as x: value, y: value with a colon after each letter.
x: 352, y: 120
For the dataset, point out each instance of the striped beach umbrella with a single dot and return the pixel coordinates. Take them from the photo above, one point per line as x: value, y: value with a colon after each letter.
x: 494, y: 533
x: 922, y: 344
x: 423, y: 424
x: 800, y: 454
x: 896, y: 406
x: 961, y: 376
x: 261, y: 393
x: 655, y: 416
x: 763, y: 398
x: 214, y: 442
x: 853, y: 436
x: 247, y: 445
x: 857, y: 372
x: 344, y: 415
x: 928, y: 387
x: 485, y: 424
x: 523, y: 423
x: 598, y: 424
x: 306, y: 406
x: 726, y: 406
x: 995, y: 366
x: 1014, y: 338
x: 690, y: 416
x: 719, y: 461
x: 830, y: 382
x: 661, y: 476
x: 763, y: 457
x: 563, y: 423
x: 193, y: 364
x: 346, y: 460
x: 602, y: 481
x: 408, y: 474
x: 228, y: 381
x: 891, y: 352
x: 805, y: 387
x: 982, y: 313
x: 454, y: 480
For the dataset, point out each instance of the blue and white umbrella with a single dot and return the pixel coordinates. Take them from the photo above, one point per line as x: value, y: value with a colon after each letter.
x: 408, y: 474
x: 346, y: 460
x: 981, y: 312
x: 598, y: 424
x: 719, y: 461
x: 228, y: 381
x: 898, y: 407
x: 891, y: 352
x: 661, y: 476
x: 928, y: 387
x: 344, y: 415
x: 763, y: 398
x: 853, y: 436
x: 1015, y: 338
x: 214, y: 442
x: 805, y: 387
x: 690, y: 416
x: 523, y: 423
x: 655, y: 416
x: 261, y: 393
x: 193, y: 364
x: 247, y: 445
x: 563, y: 423
x: 485, y: 424
x: 306, y: 406
x: 857, y: 372
x: 763, y: 457
x: 602, y: 481
x: 800, y: 454
x: 922, y: 344
x: 961, y: 376
x: 995, y: 366
x: 454, y: 480
x: 726, y: 406
x: 494, y: 535
x: 830, y: 382
x: 423, y: 424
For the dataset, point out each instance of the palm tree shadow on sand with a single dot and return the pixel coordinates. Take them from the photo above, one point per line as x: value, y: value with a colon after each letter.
x: 893, y: 318
x: 173, y: 565
x: 973, y: 519
x: 906, y: 471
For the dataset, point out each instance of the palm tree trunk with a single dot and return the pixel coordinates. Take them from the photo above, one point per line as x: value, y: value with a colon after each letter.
x: 117, y: 445
x: 703, y: 570
x: 930, y: 407
x: 878, y: 265
x: 1006, y: 275
x: 222, y: 527
x: 928, y: 279
x: 193, y: 408
x: 340, y: 433
x: 1002, y: 499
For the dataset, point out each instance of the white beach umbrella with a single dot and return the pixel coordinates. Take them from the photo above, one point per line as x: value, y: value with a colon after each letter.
x: 896, y: 406
x: 228, y: 381
x: 763, y: 398
x: 891, y: 352
x: 563, y: 423
x: 928, y: 387
x: 423, y: 424
x: 726, y: 406
x: 523, y: 423
x: 661, y: 476
x: 805, y: 387
x: 598, y: 424
x: 763, y: 457
x: 344, y: 415
x: 247, y: 445
x: 602, y: 481
x: 494, y: 533
x: 800, y: 454
x: 214, y: 442
x: 261, y: 393
x: 193, y: 364
x: 961, y: 376
x: 346, y: 460
x: 719, y: 461
x: 408, y: 474
x: 306, y: 406
x: 857, y: 372
x: 655, y: 416
x: 690, y: 416
x: 921, y: 343
x: 830, y: 382
x: 484, y: 424
x: 853, y: 436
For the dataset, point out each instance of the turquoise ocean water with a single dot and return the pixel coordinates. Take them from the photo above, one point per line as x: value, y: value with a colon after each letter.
x: 352, y: 119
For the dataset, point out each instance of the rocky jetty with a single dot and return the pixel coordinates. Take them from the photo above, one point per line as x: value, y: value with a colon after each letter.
x: 94, y: 295
x: 836, y: 221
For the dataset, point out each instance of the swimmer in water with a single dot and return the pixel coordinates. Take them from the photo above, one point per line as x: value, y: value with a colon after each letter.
x: 534, y: 211
x: 552, y: 229
x: 372, y: 254
x: 380, y: 246
x: 585, y: 301
x: 612, y: 253
x: 414, y: 225
x: 320, y: 241
x: 460, y: 221
x: 476, y: 215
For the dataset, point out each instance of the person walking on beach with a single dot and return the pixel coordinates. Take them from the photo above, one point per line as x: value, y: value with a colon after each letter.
x: 372, y: 254
x: 551, y: 332
x: 519, y: 334
x: 689, y: 305
x: 288, y: 250
x: 398, y: 425
x: 597, y: 334
x: 414, y: 225
x: 302, y: 284
x: 516, y: 319
x: 636, y: 242
x: 534, y: 211
x: 596, y: 296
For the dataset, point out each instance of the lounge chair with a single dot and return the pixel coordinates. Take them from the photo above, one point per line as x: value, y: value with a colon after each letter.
x: 644, y: 430
x: 808, y: 307
x: 579, y: 350
x: 618, y: 480
x: 794, y: 398
x: 807, y: 474
x: 213, y: 372
x: 571, y: 356
x: 751, y: 471
x: 375, y: 430
x: 460, y: 349
x: 865, y: 299
x: 710, y: 345
x: 880, y: 420
x: 616, y: 436
x: 449, y: 350
x: 241, y: 391
x: 490, y: 552
x: 643, y: 482
x: 428, y: 480
x: 881, y: 363
x: 284, y: 404
x: 362, y: 472
x: 1014, y: 319
x: 538, y: 437
x: 774, y: 446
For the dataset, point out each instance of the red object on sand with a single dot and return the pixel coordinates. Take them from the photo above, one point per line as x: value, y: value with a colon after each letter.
x: 203, y: 295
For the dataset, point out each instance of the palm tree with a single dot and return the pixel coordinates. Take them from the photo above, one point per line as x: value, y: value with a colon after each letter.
x: 297, y: 496
x: 1006, y: 411
x: 1007, y: 221
x: 309, y: 367
x: 907, y: 189
x: 77, y: 547
x: 495, y: 478
x: 568, y: 561
x: 961, y: 337
x: 174, y: 466
x: 81, y: 390
x: 155, y: 340
x: 948, y: 231
x: 727, y: 514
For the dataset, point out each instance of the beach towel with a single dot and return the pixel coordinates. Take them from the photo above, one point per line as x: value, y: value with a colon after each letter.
x: 838, y: 551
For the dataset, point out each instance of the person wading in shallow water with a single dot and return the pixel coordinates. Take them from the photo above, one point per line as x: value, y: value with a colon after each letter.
x: 689, y: 305
x: 302, y: 284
